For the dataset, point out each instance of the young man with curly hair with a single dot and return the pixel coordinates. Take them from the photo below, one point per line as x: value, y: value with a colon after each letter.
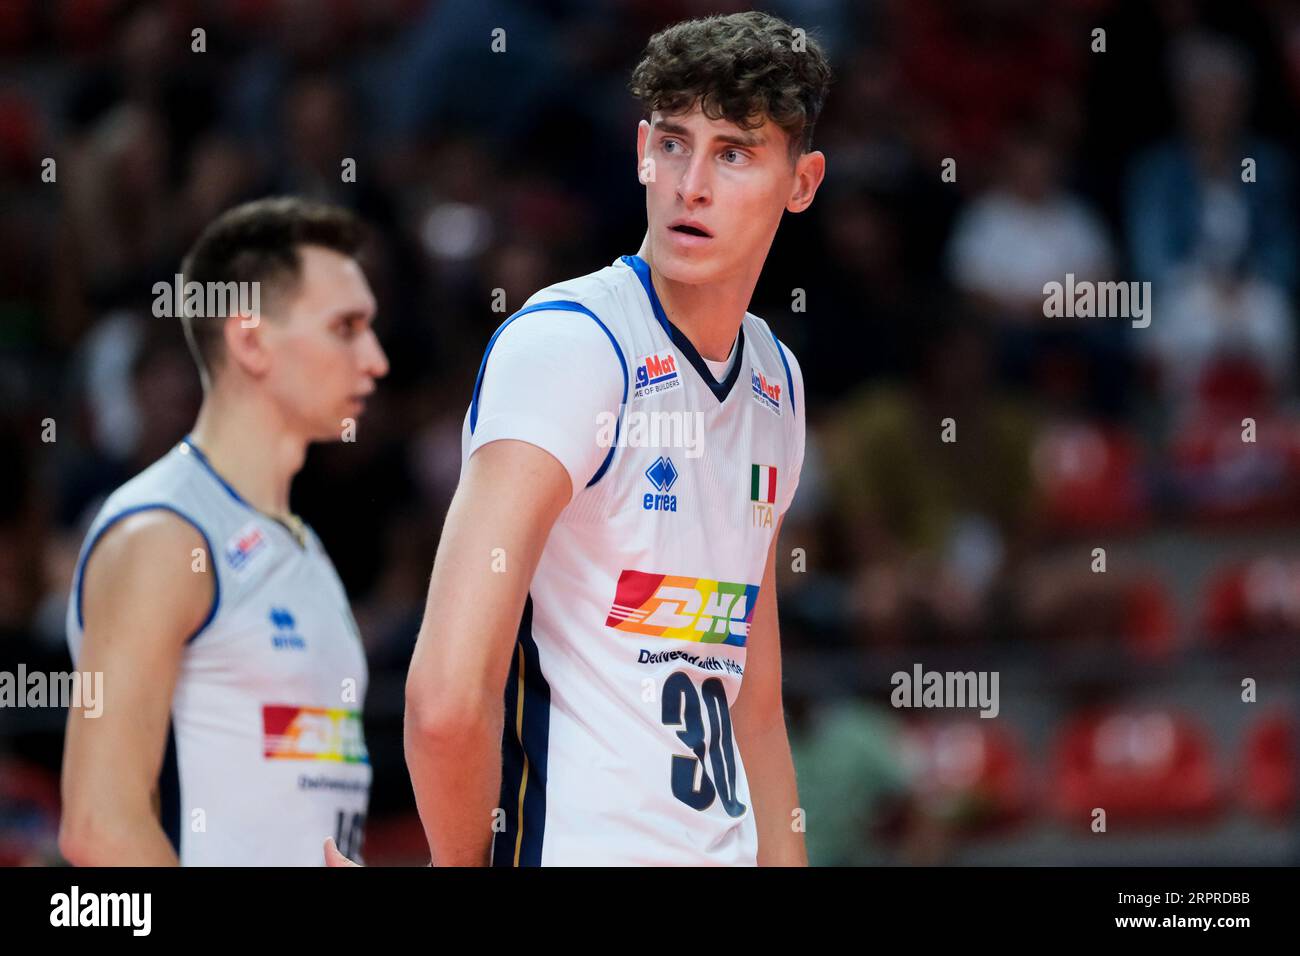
x: 618, y: 581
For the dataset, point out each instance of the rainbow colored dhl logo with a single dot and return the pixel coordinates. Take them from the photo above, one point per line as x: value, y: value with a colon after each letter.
x: 312, y: 733
x: 681, y: 608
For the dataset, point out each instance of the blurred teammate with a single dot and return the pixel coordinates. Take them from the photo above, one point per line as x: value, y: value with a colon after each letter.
x: 621, y: 583
x: 233, y: 672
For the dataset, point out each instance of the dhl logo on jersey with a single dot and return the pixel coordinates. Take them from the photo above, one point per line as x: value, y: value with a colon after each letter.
x: 684, y: 609
x: 312, y: 733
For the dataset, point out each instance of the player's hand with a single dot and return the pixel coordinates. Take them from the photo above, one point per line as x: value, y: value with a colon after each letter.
x: 333, y: 857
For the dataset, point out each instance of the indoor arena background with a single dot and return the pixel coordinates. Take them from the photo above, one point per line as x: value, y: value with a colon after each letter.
x: 910, y: 296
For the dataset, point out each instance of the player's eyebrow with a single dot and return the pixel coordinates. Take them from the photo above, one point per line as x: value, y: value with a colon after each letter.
x: 351, y: 315
x: 750, y: 140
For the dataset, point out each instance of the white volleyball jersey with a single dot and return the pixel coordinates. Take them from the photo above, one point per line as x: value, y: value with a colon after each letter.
x: 265, y: 755
x: 618, y: 745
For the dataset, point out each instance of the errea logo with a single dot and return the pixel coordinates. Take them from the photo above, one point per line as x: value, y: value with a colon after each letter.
x: 284, y: 638
x: 662, y: 473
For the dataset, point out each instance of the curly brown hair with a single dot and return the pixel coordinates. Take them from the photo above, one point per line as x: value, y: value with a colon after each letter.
x: 744, y: 67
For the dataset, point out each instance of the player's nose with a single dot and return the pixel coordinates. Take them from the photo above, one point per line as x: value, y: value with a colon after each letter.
x: 694, y: 188
x: 374, y: 361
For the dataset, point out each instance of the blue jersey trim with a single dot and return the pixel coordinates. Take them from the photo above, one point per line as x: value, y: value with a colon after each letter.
x: 642, y: 270
x: 558, y: 305
x: 169, y: 792
x: 525, y: 742
x: 721, y: 389
x: 788, y: 377
x: 136, y: 509
x: 202, y: 459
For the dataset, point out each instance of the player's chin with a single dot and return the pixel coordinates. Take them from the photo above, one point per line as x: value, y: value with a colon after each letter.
x: 694, y: 268
x: 342, y: 425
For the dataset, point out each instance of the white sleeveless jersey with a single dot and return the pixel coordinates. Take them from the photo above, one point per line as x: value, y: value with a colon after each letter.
x: 265, y: 756
x: 618, y: 745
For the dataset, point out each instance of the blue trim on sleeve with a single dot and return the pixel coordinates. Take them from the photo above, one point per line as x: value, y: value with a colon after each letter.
x: 558, y: 305
x: 126, y: 513
x: 788, y: 377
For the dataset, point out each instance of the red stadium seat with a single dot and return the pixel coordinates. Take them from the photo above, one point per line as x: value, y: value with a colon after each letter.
x: 1234, y: 386
x: 969, y: 772
x: 1255, y: 598
x: 1269, y: 767
x: 1091, y: 478
x: 29, y: 814
x: 1222, y: 478
x: 1150, y: 766
x: 1150, y: 618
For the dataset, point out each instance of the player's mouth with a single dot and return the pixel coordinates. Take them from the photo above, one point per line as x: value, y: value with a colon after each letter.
x: 689, y: 232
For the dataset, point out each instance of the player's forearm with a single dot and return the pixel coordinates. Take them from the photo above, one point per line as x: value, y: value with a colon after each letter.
x: 95, y: 838
x: 774, y: 794
x: 456, y: 775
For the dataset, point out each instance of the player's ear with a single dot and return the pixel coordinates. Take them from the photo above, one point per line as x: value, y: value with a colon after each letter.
x: 246, y: 344
x: 809, y: 171
x: 642, y: 137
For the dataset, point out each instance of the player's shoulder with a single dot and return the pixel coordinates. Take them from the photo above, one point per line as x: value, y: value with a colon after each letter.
x: 757, y: 330
x: 605, y: 284
x: 141, y: 536
x: 160, y: 483
x: 769, y: 349
x: 147, y: 575
x: 578, y: 317
x: 160, y: 506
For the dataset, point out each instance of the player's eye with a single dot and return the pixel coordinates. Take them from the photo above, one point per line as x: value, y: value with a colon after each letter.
x: 667, y: 143
x: 733, y: 156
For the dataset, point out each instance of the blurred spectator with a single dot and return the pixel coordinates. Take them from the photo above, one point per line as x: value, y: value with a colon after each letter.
x: 1212, y: 315
x: 850, y: 767
x: 934, y: 521
x: 1025, y: 231
x: 1191, y: 200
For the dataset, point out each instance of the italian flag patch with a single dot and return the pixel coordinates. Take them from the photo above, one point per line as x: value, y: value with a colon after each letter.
x: 762, y: 484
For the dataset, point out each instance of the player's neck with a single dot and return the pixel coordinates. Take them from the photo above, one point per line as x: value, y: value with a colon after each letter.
x: 248, y: 445
x: 708, y: 314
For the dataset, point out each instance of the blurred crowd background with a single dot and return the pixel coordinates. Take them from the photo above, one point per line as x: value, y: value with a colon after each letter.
x: 478, y: 171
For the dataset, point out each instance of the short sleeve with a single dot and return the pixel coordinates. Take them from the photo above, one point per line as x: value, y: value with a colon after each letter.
x: 552, y: 379
x: 794, y: 464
